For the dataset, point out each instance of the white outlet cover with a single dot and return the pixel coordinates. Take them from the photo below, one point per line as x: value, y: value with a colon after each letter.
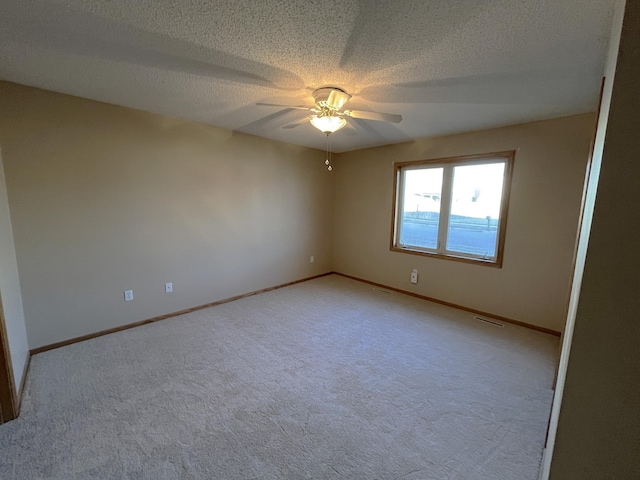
x: 312, y: 259
x: 128, y: 295
x: 168, y: 287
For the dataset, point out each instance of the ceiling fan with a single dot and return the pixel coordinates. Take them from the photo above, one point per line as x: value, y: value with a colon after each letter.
x: 327, y: 114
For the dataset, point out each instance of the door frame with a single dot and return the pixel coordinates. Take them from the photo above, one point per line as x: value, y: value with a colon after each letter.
x: 8, y: 394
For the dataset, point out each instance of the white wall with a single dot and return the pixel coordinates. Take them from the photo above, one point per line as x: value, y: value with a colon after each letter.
x: 105, y: 199
x: 10, y: 289
x: 548, y: 178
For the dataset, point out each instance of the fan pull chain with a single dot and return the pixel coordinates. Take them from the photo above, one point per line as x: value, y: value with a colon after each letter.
x: 327, y: 162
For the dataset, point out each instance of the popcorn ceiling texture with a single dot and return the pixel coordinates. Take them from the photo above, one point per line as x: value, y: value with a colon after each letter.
x: 446, y: 66
x: 324, y: 379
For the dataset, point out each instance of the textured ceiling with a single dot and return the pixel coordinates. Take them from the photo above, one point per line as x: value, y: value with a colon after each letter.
x: 445, y: 66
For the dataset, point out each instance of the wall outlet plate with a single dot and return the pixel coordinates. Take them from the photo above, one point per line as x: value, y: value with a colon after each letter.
x: 128, y: 295
x: 168, y: 287
x: 414, y: 276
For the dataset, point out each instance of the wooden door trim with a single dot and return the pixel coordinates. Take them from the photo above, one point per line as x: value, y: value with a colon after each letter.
x: 8, y: 394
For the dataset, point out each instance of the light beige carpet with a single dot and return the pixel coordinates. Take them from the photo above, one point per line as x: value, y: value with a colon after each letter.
x: 329, y: 378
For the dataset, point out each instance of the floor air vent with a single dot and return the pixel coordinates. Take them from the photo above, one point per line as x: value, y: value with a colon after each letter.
x: 381, y: 290
x: 486, y: 320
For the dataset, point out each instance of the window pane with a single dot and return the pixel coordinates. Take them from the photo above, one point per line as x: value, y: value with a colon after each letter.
x: 421, y: 212
x: 475, y: 209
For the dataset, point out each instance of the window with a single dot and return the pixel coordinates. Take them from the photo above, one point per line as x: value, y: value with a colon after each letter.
x: 453, y: 208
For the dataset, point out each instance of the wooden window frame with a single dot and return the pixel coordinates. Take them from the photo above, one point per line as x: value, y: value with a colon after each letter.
x: 449, y: 162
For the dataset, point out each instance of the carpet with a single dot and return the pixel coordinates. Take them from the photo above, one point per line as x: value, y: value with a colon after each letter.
x: 326, y: 379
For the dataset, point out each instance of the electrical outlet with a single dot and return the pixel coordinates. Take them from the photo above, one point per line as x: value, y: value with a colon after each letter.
x: 414, y: 275
x: 168, y: 287
x: 312, y: 259
x: 128, y: 295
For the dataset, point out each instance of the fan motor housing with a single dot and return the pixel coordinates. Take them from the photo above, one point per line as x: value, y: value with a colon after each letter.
x: 331, y: 97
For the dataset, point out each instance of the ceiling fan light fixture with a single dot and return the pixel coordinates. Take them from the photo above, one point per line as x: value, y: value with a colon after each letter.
x: 328, y: 124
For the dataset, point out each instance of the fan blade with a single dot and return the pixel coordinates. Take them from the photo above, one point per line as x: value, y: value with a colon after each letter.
x: 380, y: 117
x: 293, y: 107
x: 297, y: 123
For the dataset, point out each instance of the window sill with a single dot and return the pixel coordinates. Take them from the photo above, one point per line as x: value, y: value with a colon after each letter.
x: 448, y: 256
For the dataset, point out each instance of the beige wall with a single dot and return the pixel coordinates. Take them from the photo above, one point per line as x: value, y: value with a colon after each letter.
x: 10, y: 290
x: 598, y: 431
x: 548, y: 178
x: 105, y: 199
